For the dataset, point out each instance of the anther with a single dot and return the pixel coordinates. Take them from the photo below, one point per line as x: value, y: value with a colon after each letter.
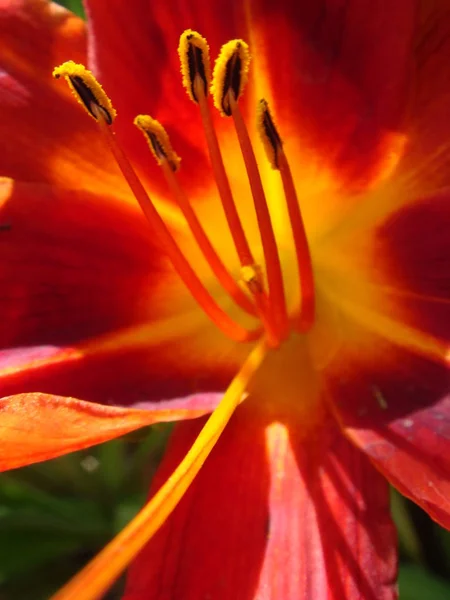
x: 158, y: 141
x: 193, y: 51
x: 230, y: 74
x: 268, y: 133
x: 86, y: 90
x: 275, y: 153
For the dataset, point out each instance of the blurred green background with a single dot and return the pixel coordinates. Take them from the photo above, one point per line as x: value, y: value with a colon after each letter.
x: 56, y: 515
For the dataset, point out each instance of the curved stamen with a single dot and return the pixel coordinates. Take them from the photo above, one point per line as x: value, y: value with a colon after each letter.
x: 152, y: 131
x: 277, y: 158
x: 277, y: 300
x: 95, y: 579
x: 229, y: 327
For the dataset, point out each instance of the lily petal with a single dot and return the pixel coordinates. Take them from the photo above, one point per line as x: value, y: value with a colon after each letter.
x: 346, y: 88
x: 37, y: 427
x: 272, y: 515
x: 34, y: 109
x: 74, y: 265
x: 426, y: 163
x: 415, y: 244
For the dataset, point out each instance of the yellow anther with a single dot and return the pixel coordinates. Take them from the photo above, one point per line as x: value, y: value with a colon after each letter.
x: 86, y: 89
x: 193, y: 51
x: 230, y: 74
x: 158, y: 141
x: 268, y: 132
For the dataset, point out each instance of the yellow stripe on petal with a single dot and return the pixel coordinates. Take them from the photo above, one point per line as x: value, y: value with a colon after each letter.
x: 93, y: 581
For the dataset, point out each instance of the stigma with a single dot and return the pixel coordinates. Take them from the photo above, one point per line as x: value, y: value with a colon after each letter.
x: 260, y: 289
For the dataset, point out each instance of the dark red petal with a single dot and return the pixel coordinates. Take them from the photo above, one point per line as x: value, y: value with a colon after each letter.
x: 272, y: 515
x: 74, y: 265
x: 37, y: 427
x: 427, y: 161
x: 400, y: 416
x: 49, y: 137
x: 415, y: 244
x: 106, y: 372
x: 346, y: 78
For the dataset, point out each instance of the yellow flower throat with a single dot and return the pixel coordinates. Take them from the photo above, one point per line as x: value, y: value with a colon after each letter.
x: 259, y: 293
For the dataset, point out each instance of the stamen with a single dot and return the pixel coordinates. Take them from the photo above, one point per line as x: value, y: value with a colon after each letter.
x: 86, y: 89
x: 159, y: 143
x: 193, y: 51
x: 194, y: 81
x: 95, y: 579
x: 229, y: 327
x: 230, y: 75
x: 277, y: 158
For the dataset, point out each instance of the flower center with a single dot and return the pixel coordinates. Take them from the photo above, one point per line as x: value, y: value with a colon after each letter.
x: 260, y: 292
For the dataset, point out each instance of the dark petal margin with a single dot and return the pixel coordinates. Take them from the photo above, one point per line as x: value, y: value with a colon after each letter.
x: 133, y: 51
x: 272, y: 515
x: 47, y: 136
x: 347, y: 77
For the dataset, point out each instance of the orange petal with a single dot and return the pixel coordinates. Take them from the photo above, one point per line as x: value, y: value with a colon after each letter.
x: 274, y: 516
x: 49, y: 138
x: 36, y: 427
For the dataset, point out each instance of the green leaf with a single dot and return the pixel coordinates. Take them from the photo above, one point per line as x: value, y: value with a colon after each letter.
x: 416, y: 583
x: 76, y: 6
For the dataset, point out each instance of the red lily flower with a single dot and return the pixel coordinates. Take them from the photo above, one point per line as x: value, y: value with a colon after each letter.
x: 348, y: 383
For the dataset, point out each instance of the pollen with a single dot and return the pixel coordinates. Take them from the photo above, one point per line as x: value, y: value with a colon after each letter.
x: 158, y: 141
x: 230, y: 74
x: 268, y: 133
x: 193, y: 51
x: 86, y: 90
